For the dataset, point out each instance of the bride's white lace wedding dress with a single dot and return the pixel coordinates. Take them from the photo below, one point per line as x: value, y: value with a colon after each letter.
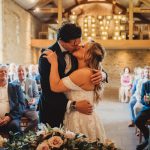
x: 90, y: 125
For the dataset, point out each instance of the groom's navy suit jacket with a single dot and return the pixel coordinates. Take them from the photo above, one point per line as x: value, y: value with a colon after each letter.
x: 52, y: 106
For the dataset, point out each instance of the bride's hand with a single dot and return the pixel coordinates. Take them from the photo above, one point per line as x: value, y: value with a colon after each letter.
x: 51, y: 56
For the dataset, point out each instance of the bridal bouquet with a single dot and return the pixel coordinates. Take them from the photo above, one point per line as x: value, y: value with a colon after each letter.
x: 55, y: 139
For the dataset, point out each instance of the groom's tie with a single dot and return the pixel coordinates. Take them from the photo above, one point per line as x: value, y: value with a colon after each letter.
x: 67, y: 57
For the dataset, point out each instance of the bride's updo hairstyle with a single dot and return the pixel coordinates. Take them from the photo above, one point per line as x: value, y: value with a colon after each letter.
x: 94, y: 55
x: 93, y: 58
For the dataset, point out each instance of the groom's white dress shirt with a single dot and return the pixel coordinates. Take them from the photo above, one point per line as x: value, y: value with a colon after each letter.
x: 67, y: 59
x: 67, y: 69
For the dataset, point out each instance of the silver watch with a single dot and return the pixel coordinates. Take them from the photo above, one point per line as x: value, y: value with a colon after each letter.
x: 73, y: 106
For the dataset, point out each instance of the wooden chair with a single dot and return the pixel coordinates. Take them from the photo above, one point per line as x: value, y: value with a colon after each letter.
x: 141, y: 134
x: 24, y: 123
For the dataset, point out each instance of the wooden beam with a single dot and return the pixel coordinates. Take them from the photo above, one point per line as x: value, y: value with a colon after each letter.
x: 137, y: 11
x: 84, y: 2
x: 60, y: 11
x: 108, y: 44
x: 140, y: 10
x: 41, y: 4
x: 143, y: 18
x: 49, y: 10
x: 146, y: 2
x: 130, y: 19
x: 113, y: 2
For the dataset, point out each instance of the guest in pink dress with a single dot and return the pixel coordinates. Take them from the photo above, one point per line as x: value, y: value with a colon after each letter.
x: 126, y: 83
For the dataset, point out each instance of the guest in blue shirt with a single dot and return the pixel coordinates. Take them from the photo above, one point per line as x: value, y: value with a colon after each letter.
x: 144, y: 115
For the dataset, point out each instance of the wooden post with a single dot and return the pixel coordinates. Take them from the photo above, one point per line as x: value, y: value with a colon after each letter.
x: 131, y: 20
x: 59, y: 12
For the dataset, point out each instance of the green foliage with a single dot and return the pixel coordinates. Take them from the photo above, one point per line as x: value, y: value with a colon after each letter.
x: 68, y: 140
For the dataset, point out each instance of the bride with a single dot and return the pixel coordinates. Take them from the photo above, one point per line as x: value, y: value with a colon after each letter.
x: 78, y: 86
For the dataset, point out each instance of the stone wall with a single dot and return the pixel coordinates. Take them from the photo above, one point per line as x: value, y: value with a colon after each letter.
x: 19, y: 27
x: 116, y: 60
x: 36, y: 26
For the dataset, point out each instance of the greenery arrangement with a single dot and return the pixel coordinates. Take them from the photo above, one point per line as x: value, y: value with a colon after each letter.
x: 54, y: 139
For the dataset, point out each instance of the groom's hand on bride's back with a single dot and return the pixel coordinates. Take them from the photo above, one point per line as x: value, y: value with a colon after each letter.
x: 84, y: 107
x: 98, y: 77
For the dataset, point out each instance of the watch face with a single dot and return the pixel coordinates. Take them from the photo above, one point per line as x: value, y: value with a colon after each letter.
x: 73, y: 107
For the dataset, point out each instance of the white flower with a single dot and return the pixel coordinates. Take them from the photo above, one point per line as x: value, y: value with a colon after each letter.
x: 55, y: 129
x: 43, y: 146
x: 70, y: 135
x: 5, y: 140
x: 55, y: 142
x: 43, y: 127
x: 2, y: 141
x: 40, y: 133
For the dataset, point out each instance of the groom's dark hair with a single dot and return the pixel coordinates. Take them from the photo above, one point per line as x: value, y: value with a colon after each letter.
x: 69, y: 31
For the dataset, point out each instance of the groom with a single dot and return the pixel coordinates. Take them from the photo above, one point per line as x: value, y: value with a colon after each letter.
x: 52, y: 106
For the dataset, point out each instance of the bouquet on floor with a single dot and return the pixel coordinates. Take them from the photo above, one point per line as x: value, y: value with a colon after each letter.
x: 55, y: 139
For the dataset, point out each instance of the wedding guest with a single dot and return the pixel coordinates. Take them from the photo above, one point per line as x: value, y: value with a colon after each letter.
x: 11, y: 103
x: 145, y: 77
x: 135, y: 95
x: 144, y: 115
x: 12, y: 72
x: 126, y: 83
x: 31, y: 95
x: 34, y: 75
x: 33, y: 71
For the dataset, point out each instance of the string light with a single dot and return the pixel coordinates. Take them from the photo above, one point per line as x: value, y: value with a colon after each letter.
x: 37, y: 9
x: 73, y: 17
x: 99, y: 27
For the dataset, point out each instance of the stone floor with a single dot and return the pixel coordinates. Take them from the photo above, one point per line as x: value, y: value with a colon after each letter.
x: 115, y: 117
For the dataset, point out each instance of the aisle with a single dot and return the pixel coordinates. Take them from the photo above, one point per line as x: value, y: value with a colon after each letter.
x: 115, y: 116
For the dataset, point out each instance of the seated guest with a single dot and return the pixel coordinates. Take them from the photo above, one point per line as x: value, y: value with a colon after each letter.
x: 33, y: 71
x: 126, y: 82
x: 11, y: 103
x: 145, y: 77
x: 12, y: 72
x: 34, y: 75
x: 135, y: 101
x: 31, y: 95
x: 134, y: 92
x: 144, y: 115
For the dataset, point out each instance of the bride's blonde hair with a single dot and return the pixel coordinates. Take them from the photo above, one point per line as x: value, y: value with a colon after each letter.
x: 93, y: 58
